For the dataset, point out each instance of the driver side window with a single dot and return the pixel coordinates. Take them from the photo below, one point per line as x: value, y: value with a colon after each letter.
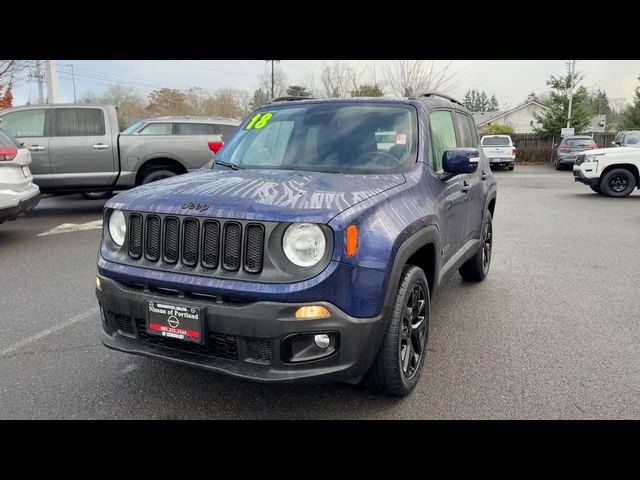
x: 443, y: 137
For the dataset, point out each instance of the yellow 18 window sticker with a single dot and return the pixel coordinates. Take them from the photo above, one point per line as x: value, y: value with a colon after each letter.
x: 259, y: 120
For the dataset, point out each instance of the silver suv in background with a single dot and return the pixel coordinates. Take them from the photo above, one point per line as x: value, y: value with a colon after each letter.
x: 18, y: 193
x: 627, y: 138
x: 78, y: 147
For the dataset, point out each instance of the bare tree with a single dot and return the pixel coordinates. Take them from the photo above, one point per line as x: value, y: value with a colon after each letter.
x: 129, y: 102
x: 279, y: 80
x: 406, y: 77
x: 337, y: 79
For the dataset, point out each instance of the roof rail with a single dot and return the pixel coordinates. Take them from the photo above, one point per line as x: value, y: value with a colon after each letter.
x: 431, y: 93
x: 288, y: 98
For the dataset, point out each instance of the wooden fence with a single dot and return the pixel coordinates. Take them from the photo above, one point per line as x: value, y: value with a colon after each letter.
x: 534, y: 147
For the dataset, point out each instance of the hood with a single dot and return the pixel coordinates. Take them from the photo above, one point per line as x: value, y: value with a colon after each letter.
x: 616, y: 150
x: 277, y: 195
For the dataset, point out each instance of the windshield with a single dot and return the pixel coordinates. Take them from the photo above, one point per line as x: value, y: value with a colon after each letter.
x: 579, y: 142
x: 329, y: 137
x: 632, y: 139
x: 132, y: 128
x: 497, y: 141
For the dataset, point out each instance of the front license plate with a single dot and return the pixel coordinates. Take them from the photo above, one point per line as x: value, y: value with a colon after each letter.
x: 25, y: 171
x: 174, y: 321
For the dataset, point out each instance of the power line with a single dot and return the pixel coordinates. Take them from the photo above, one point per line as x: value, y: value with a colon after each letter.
x: 211, y: 69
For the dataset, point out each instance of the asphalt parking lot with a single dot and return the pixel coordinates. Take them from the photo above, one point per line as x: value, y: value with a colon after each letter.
x: 552, y: 332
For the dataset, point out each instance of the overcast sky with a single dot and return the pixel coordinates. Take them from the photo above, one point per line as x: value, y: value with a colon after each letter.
x: 510, y: 80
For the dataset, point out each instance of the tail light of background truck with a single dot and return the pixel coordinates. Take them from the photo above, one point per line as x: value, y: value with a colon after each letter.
x: 215, y: 146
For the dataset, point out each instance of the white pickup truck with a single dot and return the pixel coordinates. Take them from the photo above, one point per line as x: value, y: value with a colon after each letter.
x: 610, y: 171
x: 500, y: 151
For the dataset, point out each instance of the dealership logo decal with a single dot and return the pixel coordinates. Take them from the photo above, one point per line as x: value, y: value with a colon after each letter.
x: 173, y: 321
x: 199, y: 207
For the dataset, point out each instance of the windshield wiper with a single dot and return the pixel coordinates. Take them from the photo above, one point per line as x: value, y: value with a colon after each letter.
x: 230, y: 165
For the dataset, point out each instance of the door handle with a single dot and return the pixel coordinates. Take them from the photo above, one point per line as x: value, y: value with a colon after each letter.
x: 100, y: 146
x: 484, y: 175
x: 465, y: 187
x: 37, y: 148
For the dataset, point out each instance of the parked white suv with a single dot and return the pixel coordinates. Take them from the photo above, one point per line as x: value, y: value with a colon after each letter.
x: 500, y: 151
x: 611, y: 171
x: 18, y: 193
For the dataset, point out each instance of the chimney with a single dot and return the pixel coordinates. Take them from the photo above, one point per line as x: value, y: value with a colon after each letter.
x: 531, y: 97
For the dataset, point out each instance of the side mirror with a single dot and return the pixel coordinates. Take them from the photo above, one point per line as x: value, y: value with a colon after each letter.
x: 615, y: 144
x: 215, y: 146
x: 460, y: 160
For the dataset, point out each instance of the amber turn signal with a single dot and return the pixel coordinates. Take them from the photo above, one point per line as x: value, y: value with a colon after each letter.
x: 352, y: 240
x: 98, y: 283
x: 312, y: 311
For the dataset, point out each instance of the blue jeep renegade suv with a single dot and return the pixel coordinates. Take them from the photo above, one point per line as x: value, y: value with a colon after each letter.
x: 309, y: 249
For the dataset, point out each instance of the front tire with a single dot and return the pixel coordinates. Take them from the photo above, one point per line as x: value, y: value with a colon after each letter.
x: 618, y: 183
x: 595, y: 188
x: 477, y: 267
x: 398, y: 364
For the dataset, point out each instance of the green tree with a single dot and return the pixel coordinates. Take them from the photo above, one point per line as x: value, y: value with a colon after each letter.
x: 260, y: 97
x: 367, y: 90
x: 496, y: 129
x: 554, y: 119
x: 298, y: 91
x: 493, y: 104
x: 631, y: 118
x: 477, y: 101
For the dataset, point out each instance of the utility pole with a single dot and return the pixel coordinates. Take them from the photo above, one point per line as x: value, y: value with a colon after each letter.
x: 73, y: 79
x: 52, y: 82
x: 40, y: 79
x: 572, y: 72
x: 273, y: 75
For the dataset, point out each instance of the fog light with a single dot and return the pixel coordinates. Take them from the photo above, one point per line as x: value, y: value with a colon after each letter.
x: 322, y: 341
x: 98, y: 284
x: 312, y: 311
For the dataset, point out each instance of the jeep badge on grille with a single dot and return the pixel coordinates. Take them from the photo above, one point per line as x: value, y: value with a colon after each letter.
x: 195, y: 206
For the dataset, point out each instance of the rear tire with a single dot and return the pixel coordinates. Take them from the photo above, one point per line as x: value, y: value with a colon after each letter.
x: 156, y: 174
x: 398, y: 364
x: 477, y: 267
x: 618, y: 183
x: 96, y: 195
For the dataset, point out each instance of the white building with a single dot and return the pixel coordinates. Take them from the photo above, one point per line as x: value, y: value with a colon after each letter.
x: 521, y: 118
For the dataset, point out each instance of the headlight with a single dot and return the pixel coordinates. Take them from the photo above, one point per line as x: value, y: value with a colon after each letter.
x: 304, y: 244
x: 592, y: 158
x: 117, y: 227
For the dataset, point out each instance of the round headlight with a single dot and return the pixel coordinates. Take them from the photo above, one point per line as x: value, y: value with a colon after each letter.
x: 304, y: 244
x: 117, y: 227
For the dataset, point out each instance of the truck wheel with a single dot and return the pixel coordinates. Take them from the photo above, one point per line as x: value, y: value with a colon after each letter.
x: 398, y: 364
x: 595, y: 188
x: 477, y: 267
x: 511, y: 167
x: 618, y: 182
x: 154, y: 175
x: 96, y: 195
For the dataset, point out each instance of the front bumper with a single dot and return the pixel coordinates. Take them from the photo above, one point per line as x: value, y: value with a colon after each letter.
x: 243, y: 339
x: 13, y: 204
x: 579, y: 176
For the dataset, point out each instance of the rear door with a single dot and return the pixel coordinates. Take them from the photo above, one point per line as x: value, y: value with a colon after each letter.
x: 193, y: 141
x: 453, y: 202
x: 473, y: 184
x: 32, y: 126
x: 81, y: 150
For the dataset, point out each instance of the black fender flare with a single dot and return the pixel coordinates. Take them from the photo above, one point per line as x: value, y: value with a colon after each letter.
x: 411, y: 245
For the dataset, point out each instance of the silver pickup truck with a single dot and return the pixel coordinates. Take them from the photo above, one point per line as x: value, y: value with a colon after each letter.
x: 78, y: 147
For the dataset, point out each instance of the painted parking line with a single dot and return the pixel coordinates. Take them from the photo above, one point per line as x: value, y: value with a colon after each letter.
x: 73, y: 227
x: 44, y: 333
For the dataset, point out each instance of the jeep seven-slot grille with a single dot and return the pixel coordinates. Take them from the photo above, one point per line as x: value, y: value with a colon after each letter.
x: 192, y: 242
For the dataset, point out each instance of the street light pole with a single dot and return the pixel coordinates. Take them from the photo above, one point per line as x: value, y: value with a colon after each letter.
x: 73, y: 79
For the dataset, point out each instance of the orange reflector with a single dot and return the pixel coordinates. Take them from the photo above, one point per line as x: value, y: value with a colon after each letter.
x: 312, y: 311
x: 352, y: 240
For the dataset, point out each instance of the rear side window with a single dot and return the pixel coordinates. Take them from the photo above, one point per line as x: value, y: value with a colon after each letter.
x: 443, y: 136
x: 226, y: 131
x: 496, y: 141
x: 194, y: 129
x: 466, y: 136
x: 25, y: 123
x: 6, y: 141
x: 157, y: 129
x: 78, y: 122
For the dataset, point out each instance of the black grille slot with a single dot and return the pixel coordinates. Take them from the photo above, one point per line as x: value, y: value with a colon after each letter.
x: 210, y: 243
x: 259, y: 350
x: 253, y: 248
x: 171, y: 239
x: 152, y: 238
x: 217, y: 345
x: 123, y: 323
x: 231, y: 246
x: 190, y: 232
x: 135, y: 235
